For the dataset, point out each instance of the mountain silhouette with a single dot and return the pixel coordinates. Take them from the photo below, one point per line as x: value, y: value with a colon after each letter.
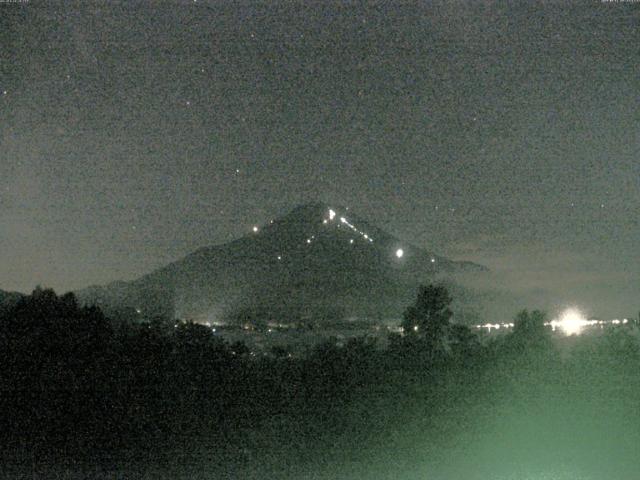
x: 317, y: 263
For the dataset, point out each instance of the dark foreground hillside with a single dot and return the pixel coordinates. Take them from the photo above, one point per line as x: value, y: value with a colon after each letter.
x: 84, y: 398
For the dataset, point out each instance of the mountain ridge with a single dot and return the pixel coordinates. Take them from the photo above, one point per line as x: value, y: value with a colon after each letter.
x: 315, y: 262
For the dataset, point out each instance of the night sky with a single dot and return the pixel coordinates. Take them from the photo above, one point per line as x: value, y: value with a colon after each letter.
x: 509, y: 135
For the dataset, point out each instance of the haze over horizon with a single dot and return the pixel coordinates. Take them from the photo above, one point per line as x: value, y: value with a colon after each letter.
x: 507, y: 135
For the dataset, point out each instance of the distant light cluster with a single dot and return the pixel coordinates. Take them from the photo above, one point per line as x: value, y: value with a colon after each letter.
x: 494, y: 326
x: 570, y: 322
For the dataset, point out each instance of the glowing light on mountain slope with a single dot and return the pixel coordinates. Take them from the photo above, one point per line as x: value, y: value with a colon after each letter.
x: 255, y: 229
x: 399, y: 253
x: 332, y: 214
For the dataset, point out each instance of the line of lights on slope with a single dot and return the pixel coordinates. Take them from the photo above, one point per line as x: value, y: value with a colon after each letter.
x: 332, y: 215
x: 344, y: 221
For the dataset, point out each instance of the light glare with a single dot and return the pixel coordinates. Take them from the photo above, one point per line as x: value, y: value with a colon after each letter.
x: 571, y: 322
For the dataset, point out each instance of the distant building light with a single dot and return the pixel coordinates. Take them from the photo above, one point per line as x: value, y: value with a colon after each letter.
x: 415, y: 328
x: 255, y: 229
x: 351, y: 241
x: 433, y: 260
x: 399, y: 253
x: 332, y: 214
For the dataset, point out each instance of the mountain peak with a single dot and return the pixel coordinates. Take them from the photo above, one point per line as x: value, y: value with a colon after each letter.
x: 313, y: 211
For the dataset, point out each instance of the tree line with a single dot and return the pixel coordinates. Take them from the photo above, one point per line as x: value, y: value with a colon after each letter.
x: 74, y: 382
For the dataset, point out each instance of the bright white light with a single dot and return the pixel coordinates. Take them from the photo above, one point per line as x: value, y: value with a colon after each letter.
x: 343, y: 220
x: 433, y: 260
x: 332, y: 214
x: 351, y: 241
x: 279, y: 257
x: 571, y: 322
x: 255, y: 229
x: 399, y: 253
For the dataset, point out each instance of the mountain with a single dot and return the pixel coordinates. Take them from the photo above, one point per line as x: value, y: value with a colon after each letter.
x: 317, y: 263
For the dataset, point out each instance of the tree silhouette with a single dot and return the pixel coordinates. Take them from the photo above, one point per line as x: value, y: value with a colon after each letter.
x: 530, y: 335
x: 428, y: 318
x: 530, y: 325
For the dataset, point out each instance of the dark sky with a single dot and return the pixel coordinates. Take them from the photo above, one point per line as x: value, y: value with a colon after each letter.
x: 505, y: 133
